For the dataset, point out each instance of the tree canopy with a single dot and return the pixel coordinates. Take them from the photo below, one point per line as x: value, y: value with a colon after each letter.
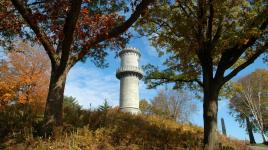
x: 249, y: 99
x: 195, y: 33
x: 69, y: 31
x: 206, y: 43
x: 89, y: 26
x: 24, y: 76
x: 172, y: 104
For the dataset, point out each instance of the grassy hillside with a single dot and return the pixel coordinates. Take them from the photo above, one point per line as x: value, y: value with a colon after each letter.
x: 110, y: 130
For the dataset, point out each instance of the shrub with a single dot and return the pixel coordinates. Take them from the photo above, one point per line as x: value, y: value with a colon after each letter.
x: 17, y: 120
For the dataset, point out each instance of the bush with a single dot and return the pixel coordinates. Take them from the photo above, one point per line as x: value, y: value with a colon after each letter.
x: 17, y: 120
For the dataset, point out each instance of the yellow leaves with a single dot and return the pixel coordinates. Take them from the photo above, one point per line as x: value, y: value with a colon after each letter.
x: 238, y: 63
x: 253, y: 33
x: 238, y: 87
x: 245, y: 37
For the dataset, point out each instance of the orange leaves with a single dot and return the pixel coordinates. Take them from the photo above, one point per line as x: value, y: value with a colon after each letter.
x: 85, y: 11
x: 25, y: 76
x: 7, y: 85
x: 6, y: 91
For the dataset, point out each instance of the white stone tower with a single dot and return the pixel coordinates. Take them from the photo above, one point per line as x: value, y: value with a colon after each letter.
x: 129, y: 75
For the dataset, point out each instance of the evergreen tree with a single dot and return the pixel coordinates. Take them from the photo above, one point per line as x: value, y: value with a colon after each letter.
x: 105, y: 107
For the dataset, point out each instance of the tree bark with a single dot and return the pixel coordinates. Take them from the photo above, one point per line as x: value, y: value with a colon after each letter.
x: 250, y: 132
x: 210, y: 108
x: 54, y: 106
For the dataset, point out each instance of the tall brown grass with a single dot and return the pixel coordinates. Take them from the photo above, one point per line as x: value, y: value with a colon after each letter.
x: 112, y: 130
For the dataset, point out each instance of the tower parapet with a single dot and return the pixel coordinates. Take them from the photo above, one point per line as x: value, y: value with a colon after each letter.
x: 129, y: 75
x: 130, y: 50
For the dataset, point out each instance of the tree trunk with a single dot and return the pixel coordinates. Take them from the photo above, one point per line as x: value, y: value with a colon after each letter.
x: 210, y: 108
x: 54, y: 105
x: 250, y: 132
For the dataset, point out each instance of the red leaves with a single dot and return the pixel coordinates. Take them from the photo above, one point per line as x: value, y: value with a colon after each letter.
x: 9, y: 22
x: 94, y: 21
x: 40, y: 17
x: 3, y: 15
x: 90, y: 27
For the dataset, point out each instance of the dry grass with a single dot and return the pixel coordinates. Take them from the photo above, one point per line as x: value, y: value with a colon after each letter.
x: 120, y: 131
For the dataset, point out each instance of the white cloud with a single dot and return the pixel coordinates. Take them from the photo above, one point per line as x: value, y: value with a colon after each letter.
x: 90, y: 85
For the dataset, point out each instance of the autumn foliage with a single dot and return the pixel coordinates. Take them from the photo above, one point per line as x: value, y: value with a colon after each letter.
x: 9, y: 22
x: 69, y: 31
x: 206, y: 43
x: 24, y: 76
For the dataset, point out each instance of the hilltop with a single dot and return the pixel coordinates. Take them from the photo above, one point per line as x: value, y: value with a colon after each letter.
x: 100, y: 130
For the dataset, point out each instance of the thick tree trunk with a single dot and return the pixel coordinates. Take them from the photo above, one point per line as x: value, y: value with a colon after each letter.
x: 210, y: 108
x: 54, y: 106
x: 250, y: 132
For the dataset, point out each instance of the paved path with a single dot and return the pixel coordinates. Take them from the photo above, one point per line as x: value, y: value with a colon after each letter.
x: 258, y: 148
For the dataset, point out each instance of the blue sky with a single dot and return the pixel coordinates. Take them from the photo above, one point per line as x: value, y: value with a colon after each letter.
x: 91, y: 85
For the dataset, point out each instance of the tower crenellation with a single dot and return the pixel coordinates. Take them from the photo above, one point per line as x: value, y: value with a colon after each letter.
x: 129, y: 75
